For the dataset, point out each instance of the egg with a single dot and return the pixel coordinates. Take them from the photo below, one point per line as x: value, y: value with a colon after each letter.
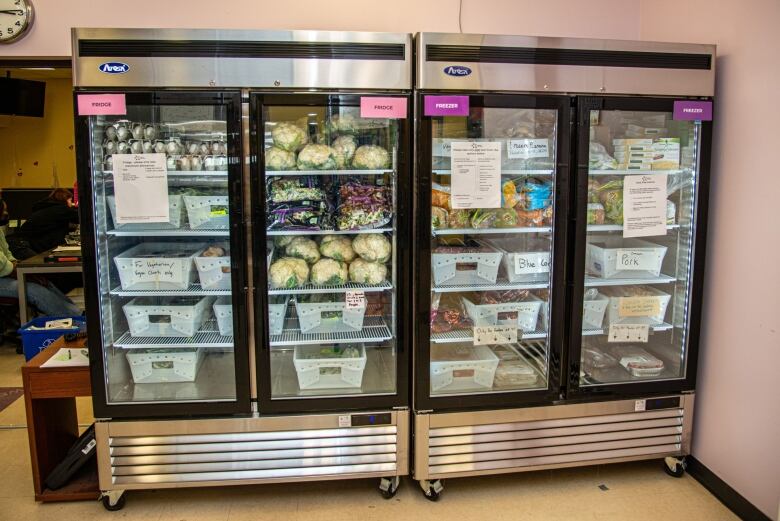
x: 209, y: 162
x: 110, y: 133
x: 150, y: 132
x: 148, y: 147
x: 138, y: 131
x: 110, y: 146
x: 122, y: 147
x: 136, y: 146
x: 159, y: 147
x: 122, y: 133
x: 184, y: 163
x: 196, y: 163
x: 170, y: 163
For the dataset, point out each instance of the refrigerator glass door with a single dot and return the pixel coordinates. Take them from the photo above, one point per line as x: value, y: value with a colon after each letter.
x: 329, y: 199
x: 642, y: 191
x: 166, y: 270
x: 492, y: 208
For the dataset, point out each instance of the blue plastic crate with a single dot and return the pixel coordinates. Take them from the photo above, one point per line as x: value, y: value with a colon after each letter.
x: 36, y: 340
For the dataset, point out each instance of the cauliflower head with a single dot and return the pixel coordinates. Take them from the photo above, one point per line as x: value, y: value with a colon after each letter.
x: 303, y: 248
x: 339, y: 248
x: 279, y: 159
x: 365, y: 272
x: 288, y: 272
x: 289, y: 136
x: 345, y: 147
x: 371, y: 157
x: 329, y: 272
x: 317, y: 157
x: 373, y: 247
x: 283, y: 240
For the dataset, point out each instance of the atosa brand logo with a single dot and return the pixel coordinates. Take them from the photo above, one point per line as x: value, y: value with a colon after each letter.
x: 457, y: 70
x: 114, y: 67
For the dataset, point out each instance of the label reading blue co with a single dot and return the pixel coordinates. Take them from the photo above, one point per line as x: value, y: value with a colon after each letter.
x: 457, y: 70
x: 114, y: 67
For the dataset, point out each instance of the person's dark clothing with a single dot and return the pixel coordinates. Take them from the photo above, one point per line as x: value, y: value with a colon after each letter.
x: 45, y: 229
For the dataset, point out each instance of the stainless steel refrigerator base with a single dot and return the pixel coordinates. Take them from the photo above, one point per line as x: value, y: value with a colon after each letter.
x: 460, y: 444
x: 573, y: 79
x: 201, y: 58
x: 235, y: 451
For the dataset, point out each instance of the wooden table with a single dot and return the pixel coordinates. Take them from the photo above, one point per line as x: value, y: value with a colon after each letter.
x: 52, y: 424
x: 38, y: 265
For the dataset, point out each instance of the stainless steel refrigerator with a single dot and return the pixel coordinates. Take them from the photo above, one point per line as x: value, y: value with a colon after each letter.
x: 246, y: 221
x: 560, y: 210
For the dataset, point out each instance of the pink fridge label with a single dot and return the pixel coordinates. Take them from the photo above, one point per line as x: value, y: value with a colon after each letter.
x: 374, y: 107
x: 693, y: 110
x: 101, y: 105
x: 446, y: 106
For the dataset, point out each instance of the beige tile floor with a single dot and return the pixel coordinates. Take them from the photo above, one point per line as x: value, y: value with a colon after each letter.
x: 635, y: 491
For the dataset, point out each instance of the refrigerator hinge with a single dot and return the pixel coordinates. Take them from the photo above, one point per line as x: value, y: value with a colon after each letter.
x: 688, y: 392
x: 426, y: 411
x: 404, y: 408
x: 254, y: 407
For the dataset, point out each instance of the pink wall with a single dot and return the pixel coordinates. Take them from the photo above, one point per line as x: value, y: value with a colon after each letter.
x: 737, y: 419
x: 50, y: 35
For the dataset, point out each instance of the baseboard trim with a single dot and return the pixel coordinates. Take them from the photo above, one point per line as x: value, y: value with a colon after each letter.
x: 735, y: 501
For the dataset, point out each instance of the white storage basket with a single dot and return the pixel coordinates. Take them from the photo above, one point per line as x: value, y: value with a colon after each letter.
x: 593, y: 312
x: 445, y: 266
x: 223, y: 311
x: 276, y: 314
x: 616, y: 258
x: 214, y: 272
x: 156, y: 266
x: 207, y: 211
x: 462, y: 368
x: 323, y: 372
x: 657, y: 299
x: 158, y: 316
x: 487, y: 314
x: 175, y: 214
x: 152, y: 366
x: 311, y: 320
x: 526, y: 259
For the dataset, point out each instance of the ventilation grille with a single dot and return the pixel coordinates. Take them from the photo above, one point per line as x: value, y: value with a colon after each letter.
x: 252, y: 455
x: 239, y: 49
x: 457, y: 54
x: 553, y: 442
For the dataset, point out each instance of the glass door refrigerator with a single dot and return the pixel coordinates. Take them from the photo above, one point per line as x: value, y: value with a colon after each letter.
x: 203, y: 297
x: 501, y: 384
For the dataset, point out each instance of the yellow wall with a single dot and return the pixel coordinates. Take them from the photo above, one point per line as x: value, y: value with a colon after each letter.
x: 41, y: 149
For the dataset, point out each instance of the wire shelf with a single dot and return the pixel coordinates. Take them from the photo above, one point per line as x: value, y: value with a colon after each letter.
x: 193, y: 289
x: 636, y: 172
x: 327, y: 232
x: 182, y: 232
x: 595, y: 281
x: 619, y: 227
x: 501, y: 283
x: 374, y: 330
x: 489, y: 231
x: 207, y: 336
x: 314, y: 288
x: 466, y: 335
x: 504, y: 172
x: 274, y: 173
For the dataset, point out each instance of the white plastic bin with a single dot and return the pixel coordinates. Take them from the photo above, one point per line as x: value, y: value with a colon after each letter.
x: 462, y: 367
x: 157, y: 266
x: 277, y: 310
x: 175, y: 214
x: 311, y: 319
x: 593, y: 312
x: 617, y: 258
x: 168, y: 317
x: 317, y: 370
x: 445, y: 267
x: 625, y: 308
x: 526, y: 259
x: 152, y: 366
x: 487, y: 314
x: 223, y: 311
x: 214, y: 272
x: 207, y: 211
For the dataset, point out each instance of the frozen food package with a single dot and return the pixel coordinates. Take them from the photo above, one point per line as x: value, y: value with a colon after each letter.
x: 459, y: 219
x: 638, y: 361
x: 439, y: 218
x: 596, y: 214
x: 440, y: 196
x: 287, y: 189
x: 363, y: 205
x: 600, y: 159
x: 594, y: 358
x: 515, y: 373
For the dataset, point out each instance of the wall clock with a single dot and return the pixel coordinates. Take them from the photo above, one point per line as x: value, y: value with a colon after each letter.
x: 16, y: 18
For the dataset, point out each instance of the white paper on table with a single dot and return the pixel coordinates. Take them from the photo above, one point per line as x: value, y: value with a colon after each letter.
x: 476, y: 174
x: 67, y: 357
x: 141, y: 188
x: 644, y: 205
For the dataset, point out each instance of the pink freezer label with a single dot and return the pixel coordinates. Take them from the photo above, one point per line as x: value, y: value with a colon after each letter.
x: 446, y: 106
x: 101, y: 105
x: 693, y: 110
x: 374, y: 107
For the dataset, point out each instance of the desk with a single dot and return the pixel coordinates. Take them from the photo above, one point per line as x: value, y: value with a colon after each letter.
x: 38, y: 265
x: 52, y: 426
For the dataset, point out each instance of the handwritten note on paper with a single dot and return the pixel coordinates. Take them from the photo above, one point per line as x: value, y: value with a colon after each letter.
x: 527, y: 148
x: 644, y: 205
x: 639, y: 306
x: 636, y: 259
x: 158, y: 270
x: 628, y: 333
x: 530, y: 263
x: 476, y: 174
x: 355, y: 300
x: 493, y: 335
x: 141, y: 188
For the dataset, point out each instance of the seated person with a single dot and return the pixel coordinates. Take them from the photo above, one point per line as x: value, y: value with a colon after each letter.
x: 47, y: 226
x: 42, y: 295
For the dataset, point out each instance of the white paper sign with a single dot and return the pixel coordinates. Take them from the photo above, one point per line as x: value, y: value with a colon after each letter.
x: 63, y: 323
x: 492, y: 335
x: 158, y: 270
x: 640, y: 405
x: 628, y: 333
x: 355, y: 300
x: 526, y: 263
x: 476, y: 175
x: 636, y: 259
x: 345, y: 420
x: 526, y: 148
x: 140, y: 188
x: 644, y: 205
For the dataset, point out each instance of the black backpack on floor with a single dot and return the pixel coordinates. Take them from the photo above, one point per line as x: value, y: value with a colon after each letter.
x: 80, y: 453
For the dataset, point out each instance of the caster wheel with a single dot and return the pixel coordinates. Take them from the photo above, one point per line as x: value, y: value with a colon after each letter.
x: 675, y: 467
x: 389, y: 487
x: 119, y: 505
x: 432, y: 489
